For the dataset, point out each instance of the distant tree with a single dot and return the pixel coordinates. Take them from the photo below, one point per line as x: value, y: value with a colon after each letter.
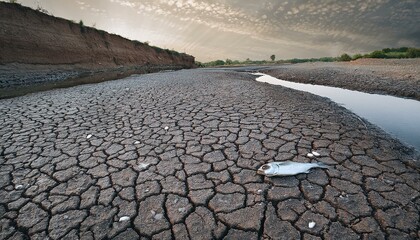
x: 273, y: 57
x: 12, y: 1
x: 82, y: 26
x: 386, y: 50
x: 228, y: 61
x: 345, y: 57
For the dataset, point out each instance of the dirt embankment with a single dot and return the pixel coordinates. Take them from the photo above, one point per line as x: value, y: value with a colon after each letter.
x: 398, y: 77
x: 37, y: 44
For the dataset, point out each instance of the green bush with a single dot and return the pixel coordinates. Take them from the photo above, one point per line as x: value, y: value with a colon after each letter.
x: 413, y: 52
x: 401, y: 49
x: 377, y: 54
x: 357, y: 56
x: 344, y: 57
x: 219, y: 62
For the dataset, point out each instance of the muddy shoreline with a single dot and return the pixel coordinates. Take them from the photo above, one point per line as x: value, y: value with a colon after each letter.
x: 397, y: 77
x: 21, y: 79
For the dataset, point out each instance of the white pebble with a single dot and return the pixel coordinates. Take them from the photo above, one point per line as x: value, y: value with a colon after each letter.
x: 143, y: 166
x: 123, y: 219
x: 311, y: 224
x: 158, y: 216
x: 316, y: 154
x: 18, y: 187
x: 310, y: 155
x: 166, y: 128
x: 89, y: 136
x: 259, y: 191
x: 137, y: 142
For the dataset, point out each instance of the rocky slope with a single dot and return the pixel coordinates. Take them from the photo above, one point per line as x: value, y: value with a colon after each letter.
x: 34, y: 40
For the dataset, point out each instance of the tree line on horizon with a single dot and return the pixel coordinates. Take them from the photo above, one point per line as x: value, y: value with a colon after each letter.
x: 402, y: 52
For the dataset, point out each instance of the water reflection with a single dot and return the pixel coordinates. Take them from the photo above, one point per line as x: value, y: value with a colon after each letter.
x: 398, y: 116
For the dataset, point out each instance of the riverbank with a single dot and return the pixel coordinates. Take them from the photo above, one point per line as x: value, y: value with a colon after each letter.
x: 20, y: 79
x: 40, y: 52
x: 397, y: 77
x: 174, y: 155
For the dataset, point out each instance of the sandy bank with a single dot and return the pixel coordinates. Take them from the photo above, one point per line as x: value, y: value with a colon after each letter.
x: 398, y: 77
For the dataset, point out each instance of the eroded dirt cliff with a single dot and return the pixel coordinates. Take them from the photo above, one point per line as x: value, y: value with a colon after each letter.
x: 30, y: 40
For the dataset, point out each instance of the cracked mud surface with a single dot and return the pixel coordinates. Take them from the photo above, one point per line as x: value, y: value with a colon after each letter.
x: 174, y: 155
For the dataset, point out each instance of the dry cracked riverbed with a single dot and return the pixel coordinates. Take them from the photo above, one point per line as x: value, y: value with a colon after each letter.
x: 173, y: 155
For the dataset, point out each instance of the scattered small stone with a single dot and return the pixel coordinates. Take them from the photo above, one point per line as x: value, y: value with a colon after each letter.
x: 259, y: 191
x: 343, y: 195
x: 19, y: 187
x: 389, y: 181
x: 147, y: 190
x: 137, y: 142
x: 166, y: 128
x: 123, y: 219
x: 143, y: 166
x: 158, y: 216
x: 316, y: 154
x: 311, y: 224
x: 181, y: 210
x: 89, y: 136
x: 310, y: 155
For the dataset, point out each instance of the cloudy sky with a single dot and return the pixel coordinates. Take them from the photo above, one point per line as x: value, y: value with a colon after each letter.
x: 255, y: 29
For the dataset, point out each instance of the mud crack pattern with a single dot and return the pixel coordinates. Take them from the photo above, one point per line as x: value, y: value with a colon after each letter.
x: 173, y: 156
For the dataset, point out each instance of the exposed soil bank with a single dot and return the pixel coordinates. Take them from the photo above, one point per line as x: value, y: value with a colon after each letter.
x: 38, y: 48
x: 20, y: 79
x: 398, y: 77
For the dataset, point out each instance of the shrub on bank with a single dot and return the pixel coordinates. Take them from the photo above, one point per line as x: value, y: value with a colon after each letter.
x: 413, y: 52
x: 344, y: 57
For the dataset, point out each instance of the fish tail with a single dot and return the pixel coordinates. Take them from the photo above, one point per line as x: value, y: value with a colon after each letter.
x: 323, y: 165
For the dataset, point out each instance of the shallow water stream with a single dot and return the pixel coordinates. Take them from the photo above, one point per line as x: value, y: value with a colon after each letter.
x: 399, y: 117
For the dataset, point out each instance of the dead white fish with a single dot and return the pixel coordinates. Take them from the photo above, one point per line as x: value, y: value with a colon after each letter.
x: 287, y: 168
